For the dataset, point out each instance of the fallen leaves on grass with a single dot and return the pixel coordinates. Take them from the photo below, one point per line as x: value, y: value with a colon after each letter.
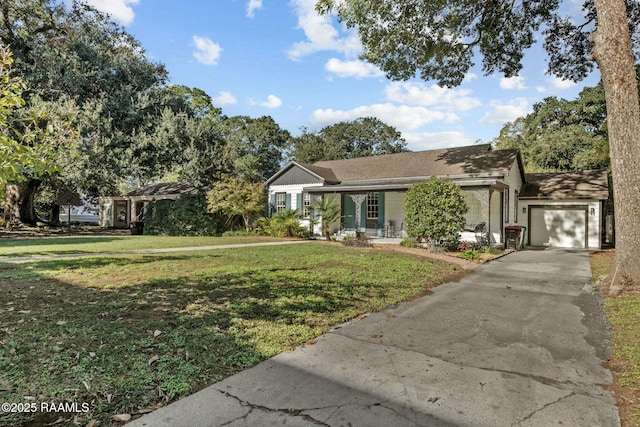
x: 122, y: 418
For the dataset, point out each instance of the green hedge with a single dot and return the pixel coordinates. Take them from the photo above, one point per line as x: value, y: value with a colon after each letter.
x: 186, y: 216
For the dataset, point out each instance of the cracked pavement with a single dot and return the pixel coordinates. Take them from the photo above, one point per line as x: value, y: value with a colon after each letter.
x: 519, y: 341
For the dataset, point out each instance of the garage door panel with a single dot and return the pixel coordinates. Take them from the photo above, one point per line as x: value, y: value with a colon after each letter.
x: 558, y: 227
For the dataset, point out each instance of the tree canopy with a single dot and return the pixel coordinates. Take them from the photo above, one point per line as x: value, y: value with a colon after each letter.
x: 233, y: 197
x: 561, y: 135
x: 442, y: 40
x: 366, y: 136
x: 130, y: 128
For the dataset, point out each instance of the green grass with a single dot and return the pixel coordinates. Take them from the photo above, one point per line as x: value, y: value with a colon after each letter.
x: 72, y: 245
x: 623, y: 312
x: 130, y: 331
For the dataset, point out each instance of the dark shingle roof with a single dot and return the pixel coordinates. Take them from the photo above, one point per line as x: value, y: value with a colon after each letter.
x: 471, y: 160
x: 589, y: 184
x: 164, y: 189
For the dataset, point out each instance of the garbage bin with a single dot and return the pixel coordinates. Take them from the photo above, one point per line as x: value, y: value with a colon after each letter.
x: 523, y: 241
x: 512, y: 237
x: 137, y: 227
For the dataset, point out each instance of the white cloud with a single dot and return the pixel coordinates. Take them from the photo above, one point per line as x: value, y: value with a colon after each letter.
x: 225, y: 98
x: 120, y: 10
x: 272, y: 102
x: 207, y: 52
x: 357, y: 69
x: 252, y: 6
x: 469, y: 77
x: 404, y: 118
x: 513, y: 83
x: 502, y: 113
x: 558, y: 83
x: 321, y: 33
x: 431, y: 96
x: 430, y: 141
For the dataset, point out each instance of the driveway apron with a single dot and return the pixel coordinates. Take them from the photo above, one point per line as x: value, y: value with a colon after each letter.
x: 519, y: 341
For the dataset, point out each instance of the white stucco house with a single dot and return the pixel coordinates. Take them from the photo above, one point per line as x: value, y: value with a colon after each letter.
x: 558, y: 210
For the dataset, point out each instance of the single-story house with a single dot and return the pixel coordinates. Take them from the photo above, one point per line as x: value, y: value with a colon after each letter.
x: 497, y: 191
x: 127, y: 210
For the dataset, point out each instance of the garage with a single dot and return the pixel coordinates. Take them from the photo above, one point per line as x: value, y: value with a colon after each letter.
x: 559, y: 227
x: 564, y: 210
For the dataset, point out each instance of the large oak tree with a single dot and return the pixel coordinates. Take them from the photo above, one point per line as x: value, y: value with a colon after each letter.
x: 441, y: 39
x: 71, y: 52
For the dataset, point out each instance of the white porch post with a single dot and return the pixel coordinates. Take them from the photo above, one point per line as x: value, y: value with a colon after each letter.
x: 358, y: 199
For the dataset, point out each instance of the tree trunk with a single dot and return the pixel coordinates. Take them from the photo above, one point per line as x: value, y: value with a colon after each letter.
x: 54, y: 217
x: 18, y: 203
x: 614, y: 55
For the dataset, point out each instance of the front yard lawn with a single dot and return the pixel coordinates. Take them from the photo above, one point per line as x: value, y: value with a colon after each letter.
x: 623, y: 311
x: 127, y: 333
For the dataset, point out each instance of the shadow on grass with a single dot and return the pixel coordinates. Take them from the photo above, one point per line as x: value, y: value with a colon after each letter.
x: 100, y: 261
x: 140, y: 345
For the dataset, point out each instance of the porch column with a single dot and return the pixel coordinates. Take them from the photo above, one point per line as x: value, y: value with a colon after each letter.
x: 358, y: 199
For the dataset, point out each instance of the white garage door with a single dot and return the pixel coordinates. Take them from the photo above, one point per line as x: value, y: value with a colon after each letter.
x: 558, y: 227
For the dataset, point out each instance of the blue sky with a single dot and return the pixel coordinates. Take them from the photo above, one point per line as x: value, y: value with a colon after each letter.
x: 279, y: 58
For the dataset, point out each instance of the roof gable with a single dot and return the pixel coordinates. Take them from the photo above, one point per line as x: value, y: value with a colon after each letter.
x: 298, y: 173
x: 589, y: 184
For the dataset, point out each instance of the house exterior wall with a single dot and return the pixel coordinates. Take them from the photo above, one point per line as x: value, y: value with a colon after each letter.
x: 514, y: 181
x: 394, y: 211
x: 293, y: 200
x: 592, y: 207
x: 495, y: 217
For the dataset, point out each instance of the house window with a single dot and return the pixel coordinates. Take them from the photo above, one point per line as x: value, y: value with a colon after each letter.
x: 372, y: 206
x: 515, y: 206
x: 281, y: 202
x: 306, y: 205
x: 473, y: 217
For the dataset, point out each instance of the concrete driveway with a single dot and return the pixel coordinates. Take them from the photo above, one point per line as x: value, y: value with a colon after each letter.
x: 520, y: 341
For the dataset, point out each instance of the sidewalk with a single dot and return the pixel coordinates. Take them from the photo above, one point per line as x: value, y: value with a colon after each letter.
x: 146, y: 251
x: 519, y: 341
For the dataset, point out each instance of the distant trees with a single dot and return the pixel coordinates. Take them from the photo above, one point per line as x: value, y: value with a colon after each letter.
x: 256, y: 147
x: 233, y: 197
x: 362, y: 137
x: 562, y: 135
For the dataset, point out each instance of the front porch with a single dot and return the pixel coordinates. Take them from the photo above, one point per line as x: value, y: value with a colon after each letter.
x: 380, y: 214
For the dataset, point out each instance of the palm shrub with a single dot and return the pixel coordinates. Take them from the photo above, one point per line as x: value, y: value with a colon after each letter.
x: 329, y: 210
x: 434, y: 211
x: 285, y: 224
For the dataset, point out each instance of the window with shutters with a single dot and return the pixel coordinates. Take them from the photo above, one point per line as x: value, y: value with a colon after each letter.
x: 372, y: 206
